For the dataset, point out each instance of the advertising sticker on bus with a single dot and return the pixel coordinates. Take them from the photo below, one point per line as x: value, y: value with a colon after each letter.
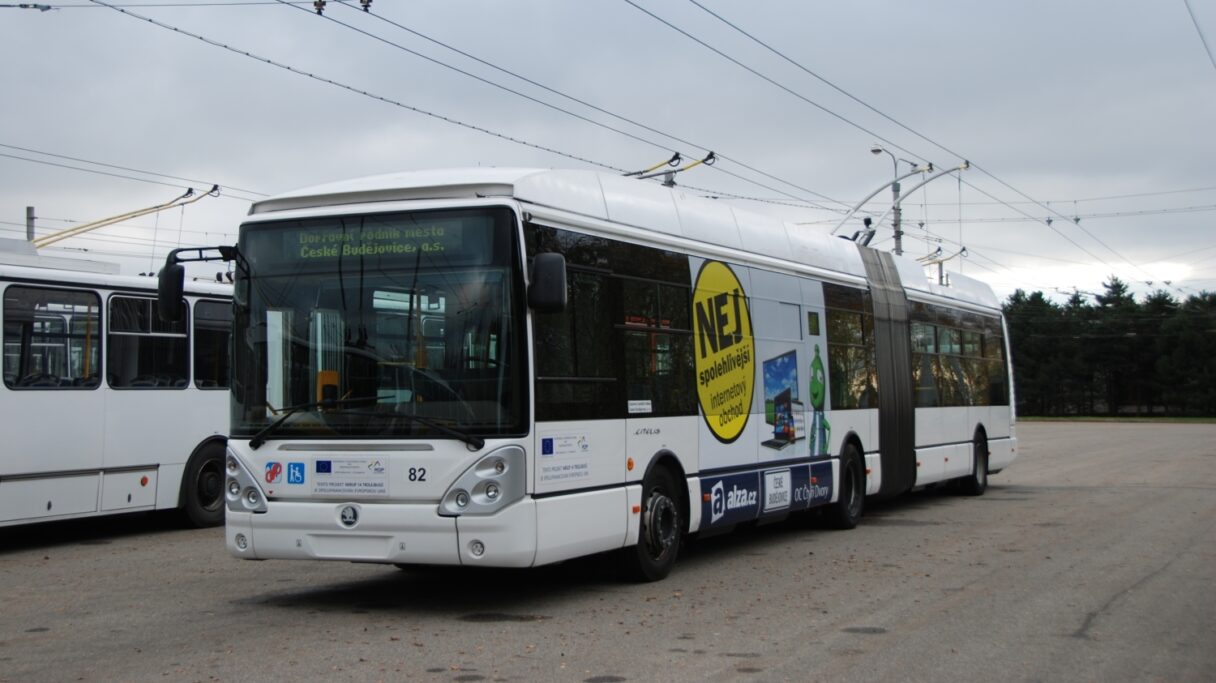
x: 725, y: 351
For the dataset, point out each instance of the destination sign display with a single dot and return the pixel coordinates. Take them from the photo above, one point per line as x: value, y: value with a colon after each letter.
x: 330, y: 243
x: 456, y: 237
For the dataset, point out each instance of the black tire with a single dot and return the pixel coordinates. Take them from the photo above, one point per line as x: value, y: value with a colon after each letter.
x: 846, y: 512
x: 203, y: 486
x: 976, y: 483
x: 661, y: 531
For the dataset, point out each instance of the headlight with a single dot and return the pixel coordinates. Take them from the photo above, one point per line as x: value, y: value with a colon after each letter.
x: 492, y: 483
x: 244, y: 494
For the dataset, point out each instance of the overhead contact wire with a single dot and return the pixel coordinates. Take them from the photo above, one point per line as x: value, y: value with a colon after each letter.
x: 358, y: 91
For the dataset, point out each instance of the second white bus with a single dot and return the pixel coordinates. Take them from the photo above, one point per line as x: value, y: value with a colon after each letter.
x: 106, y: 408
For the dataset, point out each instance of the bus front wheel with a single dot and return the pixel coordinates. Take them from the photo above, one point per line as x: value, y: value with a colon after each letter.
x: 662, y: 529
x: 203, y: 486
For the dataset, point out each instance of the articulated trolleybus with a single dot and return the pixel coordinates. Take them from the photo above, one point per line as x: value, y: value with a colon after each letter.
x: 108, y: 409
x: 512, y: 368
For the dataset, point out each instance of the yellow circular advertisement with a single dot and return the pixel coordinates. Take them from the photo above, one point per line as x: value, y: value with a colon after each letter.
x: 724, y: 349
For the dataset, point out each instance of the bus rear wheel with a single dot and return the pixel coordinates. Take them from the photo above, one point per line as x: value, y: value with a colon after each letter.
x: 977, y: 482
x: 203, y: 486
x: 661, y: 532
x: 845, y: 513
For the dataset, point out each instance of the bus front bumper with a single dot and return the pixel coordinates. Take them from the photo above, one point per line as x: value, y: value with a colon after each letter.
x: 384, y: 532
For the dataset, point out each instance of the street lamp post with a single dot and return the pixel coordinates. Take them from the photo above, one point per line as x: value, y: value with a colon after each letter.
x: 897, y: 212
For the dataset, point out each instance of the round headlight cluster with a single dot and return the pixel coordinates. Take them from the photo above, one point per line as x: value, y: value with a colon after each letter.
x: 492, y: 483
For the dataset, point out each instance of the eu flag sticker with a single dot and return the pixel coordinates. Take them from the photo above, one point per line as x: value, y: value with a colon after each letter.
x: 295, y: 473
x: 546, y: 446
x: 324, y: 466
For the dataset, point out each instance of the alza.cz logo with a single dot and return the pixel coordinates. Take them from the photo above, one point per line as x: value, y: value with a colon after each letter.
x: 725, y: 350
x: 721, y: 500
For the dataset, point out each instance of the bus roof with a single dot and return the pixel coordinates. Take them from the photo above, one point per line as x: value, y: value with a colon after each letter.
x: 627, y: 201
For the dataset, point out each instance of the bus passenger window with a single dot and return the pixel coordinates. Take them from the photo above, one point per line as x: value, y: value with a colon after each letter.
x: 212, y: 339
x: 852, y: 369
x: 144, y: 351
x: 51, y: 338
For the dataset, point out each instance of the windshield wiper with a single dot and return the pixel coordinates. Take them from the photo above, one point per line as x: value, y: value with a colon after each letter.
x: 260, y: 438
x: 475, y: 442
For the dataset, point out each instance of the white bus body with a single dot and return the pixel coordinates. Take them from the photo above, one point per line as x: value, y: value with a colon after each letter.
x: 711, y: 367
x: 91, y: 427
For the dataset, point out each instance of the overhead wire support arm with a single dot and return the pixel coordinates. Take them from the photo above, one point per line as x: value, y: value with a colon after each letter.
x: 189, y: 197
x: 899, y: 234
x: 857, y: 207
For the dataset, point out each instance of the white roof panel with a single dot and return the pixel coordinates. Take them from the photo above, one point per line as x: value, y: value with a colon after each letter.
x: 629, y: 202
x: 442, y: 184
x: 642, y: 204
x: 575, y: 191
x: 708, y: 221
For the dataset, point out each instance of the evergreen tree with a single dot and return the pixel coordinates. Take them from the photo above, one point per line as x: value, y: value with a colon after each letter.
x: 1114, y: 334
x: 1113, y: 356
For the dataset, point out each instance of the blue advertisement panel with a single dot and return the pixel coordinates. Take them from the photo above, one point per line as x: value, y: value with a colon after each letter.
x: 815, y: 489
x: 735, y: 498
x: 732, y: 499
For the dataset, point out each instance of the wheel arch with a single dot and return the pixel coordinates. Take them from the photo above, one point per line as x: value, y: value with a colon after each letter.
x: 854, y: 439
x: 198, y: 452
x: 980, y: 435
x: 668, y: 460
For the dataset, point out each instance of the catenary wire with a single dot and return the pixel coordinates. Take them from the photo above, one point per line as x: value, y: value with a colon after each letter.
x: 862, y: 128
x: 358, y: 91
x: 1199, y: 29
x: 567, y: 96
x: 133, y: 170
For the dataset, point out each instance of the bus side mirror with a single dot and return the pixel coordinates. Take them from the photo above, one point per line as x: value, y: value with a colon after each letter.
x: 169, y: 288
x: 547, y: 293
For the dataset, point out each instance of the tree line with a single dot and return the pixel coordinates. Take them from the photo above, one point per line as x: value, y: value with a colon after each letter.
x: 1114, y: 355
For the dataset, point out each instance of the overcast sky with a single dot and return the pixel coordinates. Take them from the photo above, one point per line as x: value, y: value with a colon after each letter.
x: 1096, y: 114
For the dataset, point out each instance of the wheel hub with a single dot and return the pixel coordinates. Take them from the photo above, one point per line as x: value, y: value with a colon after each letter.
x: 659, y: 521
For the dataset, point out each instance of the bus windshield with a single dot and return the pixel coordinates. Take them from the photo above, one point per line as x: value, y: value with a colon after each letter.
x: 395, y: 325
